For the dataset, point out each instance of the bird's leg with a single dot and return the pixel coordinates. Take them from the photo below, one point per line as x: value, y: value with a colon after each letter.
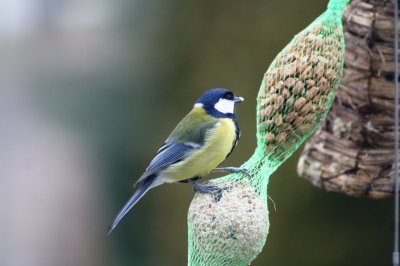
x: 232, y: 170
x: 202, y: 188
x: 193, y: 179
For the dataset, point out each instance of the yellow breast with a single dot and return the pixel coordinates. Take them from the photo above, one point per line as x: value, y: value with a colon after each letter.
x: 200, y: 162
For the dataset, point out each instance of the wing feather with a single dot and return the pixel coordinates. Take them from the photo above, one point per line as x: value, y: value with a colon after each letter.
x: 182, y: 141
x: 168, y: 154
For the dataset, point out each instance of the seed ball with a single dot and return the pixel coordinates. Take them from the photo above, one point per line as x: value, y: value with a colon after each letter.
x: 229, y: 226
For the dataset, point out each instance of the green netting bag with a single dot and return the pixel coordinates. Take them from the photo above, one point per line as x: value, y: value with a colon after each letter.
x: 230, y: 226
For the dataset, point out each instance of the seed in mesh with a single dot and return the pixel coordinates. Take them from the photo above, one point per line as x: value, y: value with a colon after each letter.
x: 235, y: 227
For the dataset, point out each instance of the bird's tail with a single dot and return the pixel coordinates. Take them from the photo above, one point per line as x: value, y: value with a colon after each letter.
x: 132, y: 201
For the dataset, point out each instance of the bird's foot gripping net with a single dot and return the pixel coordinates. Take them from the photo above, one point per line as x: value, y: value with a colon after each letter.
x: 230, y: 225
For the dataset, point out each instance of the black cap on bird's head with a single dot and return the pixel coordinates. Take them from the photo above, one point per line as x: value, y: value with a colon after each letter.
x: 218, y: 102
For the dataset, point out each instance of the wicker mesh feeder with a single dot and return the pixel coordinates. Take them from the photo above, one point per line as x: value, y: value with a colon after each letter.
x: 353, y: 150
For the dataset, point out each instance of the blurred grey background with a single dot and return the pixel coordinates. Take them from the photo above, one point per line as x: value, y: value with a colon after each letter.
x: 89, y: 90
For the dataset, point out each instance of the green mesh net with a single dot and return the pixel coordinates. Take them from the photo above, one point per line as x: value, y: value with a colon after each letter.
x: 230, y: 226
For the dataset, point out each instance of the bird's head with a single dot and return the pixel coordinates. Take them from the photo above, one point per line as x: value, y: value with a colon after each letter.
x: 218, y: 102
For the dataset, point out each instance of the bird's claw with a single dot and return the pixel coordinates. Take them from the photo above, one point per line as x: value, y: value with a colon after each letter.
x: 202, y: 188
x: 245, y: 171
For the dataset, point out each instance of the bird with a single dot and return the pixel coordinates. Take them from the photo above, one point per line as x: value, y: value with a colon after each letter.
x: 199, y: 143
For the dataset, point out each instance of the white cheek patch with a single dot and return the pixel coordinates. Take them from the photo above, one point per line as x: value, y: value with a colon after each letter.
x: 225, y: 106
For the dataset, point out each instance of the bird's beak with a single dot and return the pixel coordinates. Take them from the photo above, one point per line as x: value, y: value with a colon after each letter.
x: 238, y: 99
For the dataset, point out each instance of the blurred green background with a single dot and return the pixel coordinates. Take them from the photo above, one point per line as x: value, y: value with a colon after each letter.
x: 89, y: 90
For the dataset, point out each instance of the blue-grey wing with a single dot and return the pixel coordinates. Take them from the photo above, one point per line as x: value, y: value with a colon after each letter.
x: 193, y: 137
x: 168, y: 154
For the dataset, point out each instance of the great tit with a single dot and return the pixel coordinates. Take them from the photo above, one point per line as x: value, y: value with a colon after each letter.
x: 198, y: 144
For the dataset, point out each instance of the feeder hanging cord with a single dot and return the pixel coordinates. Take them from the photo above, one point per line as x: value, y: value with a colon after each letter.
x: 396, y: 137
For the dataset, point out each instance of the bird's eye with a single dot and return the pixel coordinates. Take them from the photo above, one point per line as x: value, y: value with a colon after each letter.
x: 229, y: 96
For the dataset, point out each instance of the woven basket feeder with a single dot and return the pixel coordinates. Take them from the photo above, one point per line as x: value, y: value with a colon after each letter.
x: 353, y: 150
